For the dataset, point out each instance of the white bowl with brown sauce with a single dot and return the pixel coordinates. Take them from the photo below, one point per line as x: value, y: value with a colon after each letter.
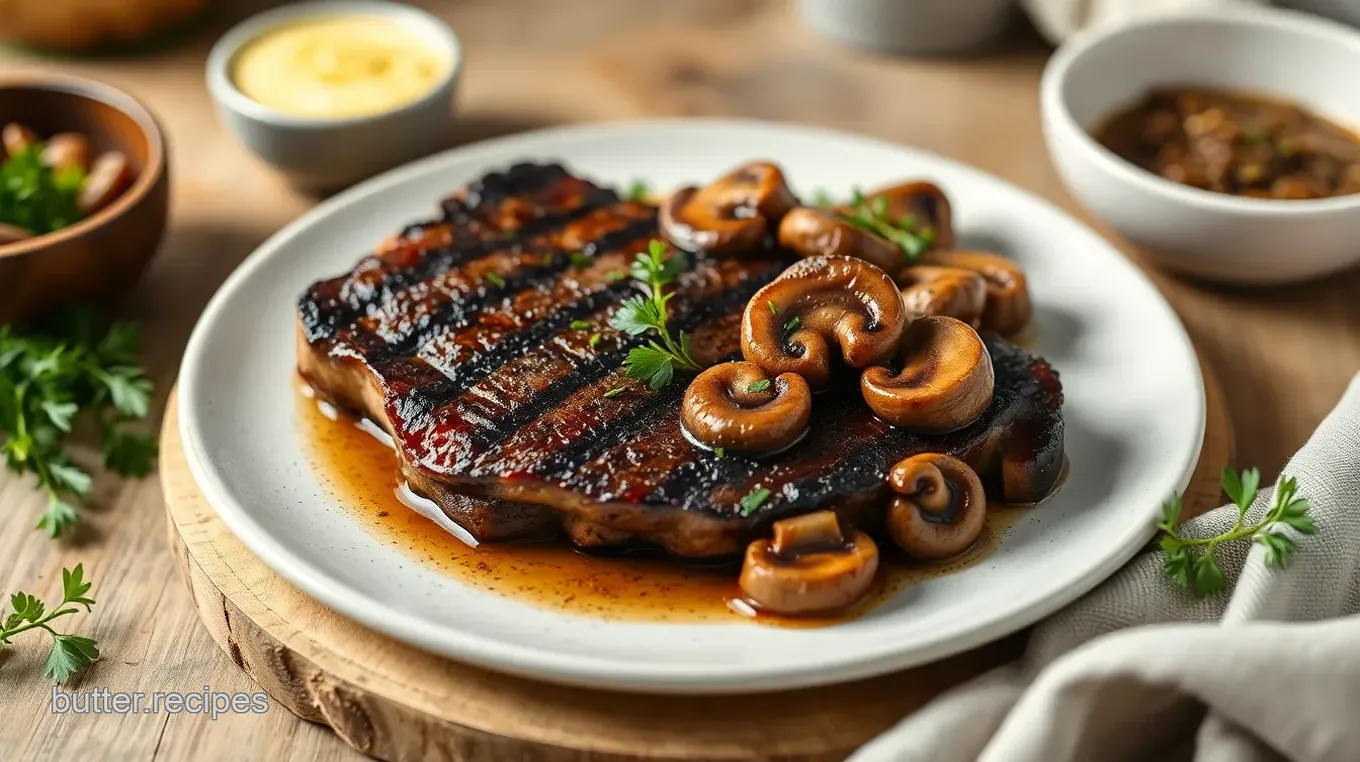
x: 332, y: 92
x: 1277, y: 234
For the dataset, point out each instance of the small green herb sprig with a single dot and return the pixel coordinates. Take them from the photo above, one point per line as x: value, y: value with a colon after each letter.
x: 46, y: 379
x: 70, y: 653
x: 912, y: 238
x: 1197, y: 569
x: 36, y: 197
x: 656, y: 361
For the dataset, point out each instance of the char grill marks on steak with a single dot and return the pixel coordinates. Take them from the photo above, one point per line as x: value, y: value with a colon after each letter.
x: 457, y: 337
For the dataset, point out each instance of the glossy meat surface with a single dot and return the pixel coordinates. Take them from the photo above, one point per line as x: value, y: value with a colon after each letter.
x: 457, y: 336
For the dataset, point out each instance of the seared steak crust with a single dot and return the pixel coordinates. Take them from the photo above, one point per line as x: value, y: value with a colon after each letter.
x: 457, y: 337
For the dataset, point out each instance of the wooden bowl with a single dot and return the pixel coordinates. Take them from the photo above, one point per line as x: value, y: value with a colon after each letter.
x: 100, y: 257
x: 76, y: 26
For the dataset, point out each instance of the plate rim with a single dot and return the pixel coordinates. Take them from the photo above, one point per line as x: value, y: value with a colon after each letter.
x: 590, y: 671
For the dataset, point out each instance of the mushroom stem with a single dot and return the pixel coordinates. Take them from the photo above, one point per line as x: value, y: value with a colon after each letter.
x: 940, y: 507
x: 810, y: 567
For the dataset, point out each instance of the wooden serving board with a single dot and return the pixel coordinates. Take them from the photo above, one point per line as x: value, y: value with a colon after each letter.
x: 397, y: 703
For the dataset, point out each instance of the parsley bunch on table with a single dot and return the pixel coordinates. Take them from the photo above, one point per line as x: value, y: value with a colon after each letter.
x: 37, y: 197
x: 70, y: 653
x: 50, y: 376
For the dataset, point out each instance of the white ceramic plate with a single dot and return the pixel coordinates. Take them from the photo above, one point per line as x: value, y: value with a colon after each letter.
x: 1134, y: 411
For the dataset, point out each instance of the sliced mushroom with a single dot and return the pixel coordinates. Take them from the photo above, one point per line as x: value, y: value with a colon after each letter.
x: 810, y: 567
x: 109, y: 176
x: 943, y: 291
x: 67, y: 150
x: 15, y: 137
x: 13, y: 233
x: 732, y: 214
x: 792, y: 324
x: 1008, y: 306
x: 922, y: 206
x: 817, y: 233
x: 735, y: 406
x: 940, y: 507
x: 946, y: 378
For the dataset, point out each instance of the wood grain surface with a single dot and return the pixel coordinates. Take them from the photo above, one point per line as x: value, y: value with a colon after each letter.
x: 1283, y: 355
x: 397, y: 703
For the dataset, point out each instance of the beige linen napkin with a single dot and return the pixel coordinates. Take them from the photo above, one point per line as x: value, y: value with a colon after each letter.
x: 1140, y: 669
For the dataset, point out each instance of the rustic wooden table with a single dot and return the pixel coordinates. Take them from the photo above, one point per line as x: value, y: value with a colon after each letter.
x: 1283, y: 355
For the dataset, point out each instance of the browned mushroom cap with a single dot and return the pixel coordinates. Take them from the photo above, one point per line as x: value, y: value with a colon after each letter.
x: 735, y: 406
x: 946, y: 379
x: 815, y: 233
x: 1008, y: 306
x: 791, y: 325
x: 15, y: 138
x: 945, y: 291
x: 923, y: 206
x: 730, y: 215
x: 809, y: 567
x: 940, y: 507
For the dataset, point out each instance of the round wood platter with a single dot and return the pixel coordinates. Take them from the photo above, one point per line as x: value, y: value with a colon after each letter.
x: 395, y: 702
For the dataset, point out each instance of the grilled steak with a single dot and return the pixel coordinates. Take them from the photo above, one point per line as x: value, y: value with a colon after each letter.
x: 462, y: 336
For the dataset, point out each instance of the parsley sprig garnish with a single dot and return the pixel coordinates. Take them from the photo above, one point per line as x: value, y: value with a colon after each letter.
x: 1197, y: 570
x: 46, y: 379
x: 70, y: 653
x: 872, y: 215
x: 656, y: 361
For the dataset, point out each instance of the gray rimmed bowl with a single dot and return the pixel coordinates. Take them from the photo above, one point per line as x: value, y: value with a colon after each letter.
x: 330, y: 153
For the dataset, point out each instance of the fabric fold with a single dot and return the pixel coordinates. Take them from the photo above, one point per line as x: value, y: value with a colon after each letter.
x: 1141, y: 669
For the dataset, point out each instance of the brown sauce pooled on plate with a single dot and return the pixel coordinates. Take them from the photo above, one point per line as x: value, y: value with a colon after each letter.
x: 362, y: 475
x: 1233, y: 143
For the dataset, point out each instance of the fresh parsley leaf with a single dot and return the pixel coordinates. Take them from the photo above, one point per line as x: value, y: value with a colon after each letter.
x: 637, y: 191
x: 638, y: 315
x: 1278, y: 547
x: 129, y: 390
x: 58, y: 517
x: 753, y: 500
x: 128, y: 454
x: 67, y: 476
x: 651, y: 364
x: 758, y: 386
x: 579, y: 325
x: 1206, y: 576
x: 70, y: 653
x: 60, y: 413
x: 74, y: 587
x: 26, y: 608
x: 1171, y: 514
x: 495, y: 279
